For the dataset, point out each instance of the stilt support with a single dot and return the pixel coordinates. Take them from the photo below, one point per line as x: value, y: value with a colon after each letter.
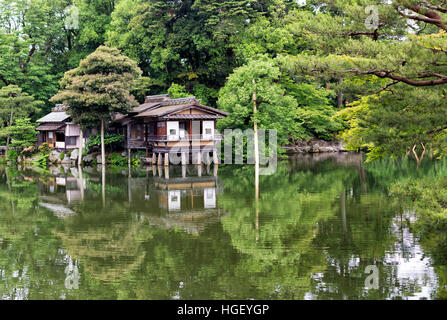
x: 160, y: 159
x: 215, y: 158
x: 166, y: 159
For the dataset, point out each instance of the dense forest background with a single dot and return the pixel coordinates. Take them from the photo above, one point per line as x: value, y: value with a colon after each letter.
x: 374, y: 76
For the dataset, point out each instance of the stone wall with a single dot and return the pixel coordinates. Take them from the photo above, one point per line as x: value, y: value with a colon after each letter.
x: 316, y: 146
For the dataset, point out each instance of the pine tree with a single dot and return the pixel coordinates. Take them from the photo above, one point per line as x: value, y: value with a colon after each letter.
x: 99, y: 88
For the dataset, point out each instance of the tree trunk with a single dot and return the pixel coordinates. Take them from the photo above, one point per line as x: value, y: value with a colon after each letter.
x: 9, y: 136
x: 103, y: 147
x: 81, y: 145
x: 256, y: 143
x: 103, y: 185
x: 340, y: 95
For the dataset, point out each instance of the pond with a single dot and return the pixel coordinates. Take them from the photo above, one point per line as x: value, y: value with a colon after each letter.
x: 322, y: 226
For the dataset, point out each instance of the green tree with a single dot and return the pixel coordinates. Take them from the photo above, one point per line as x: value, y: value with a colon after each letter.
x: 398, y: 123
x: 23, y: 133
x: 258, y: 79
x: 177, y: 91
x: 98, y: 88
x: 296, y: 110
x: 395, y: 70
x: 14, y: 103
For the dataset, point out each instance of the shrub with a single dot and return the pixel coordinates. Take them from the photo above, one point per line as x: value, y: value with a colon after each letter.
x: 42, y: 161
x: 12, y: 155
x: 44, y: 148
x: 115, y: 159
x: 95, y: 140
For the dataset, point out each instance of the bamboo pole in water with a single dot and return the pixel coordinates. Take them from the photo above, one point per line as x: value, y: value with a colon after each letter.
x: 256, y: 142
x: 256, y: 146
x: 103, y: 167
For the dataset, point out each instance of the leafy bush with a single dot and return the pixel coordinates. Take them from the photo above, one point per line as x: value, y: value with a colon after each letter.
x: 44, y: 148
x: 62, y: 156
x: 42, y: 161
x: 115, y: 159
x: 135, y: 162
x: 109, y: 138
x: 429, y: 197
x: 12, y: 155
x: 177, y: 91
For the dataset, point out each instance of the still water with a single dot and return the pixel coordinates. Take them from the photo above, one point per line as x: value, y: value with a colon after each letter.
x: 200, y: 234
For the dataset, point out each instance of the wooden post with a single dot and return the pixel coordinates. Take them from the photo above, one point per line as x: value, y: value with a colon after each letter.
x: 184, y: 171
x: 103, y: 147
x: 166, y: 159
x: 199, y: 158
x: 167, y: 173
x: 183, y: 158
x: 128, y: 135
x: 154, y: 170
x: 159, y: 171
x: 103, y: 185
x: 256, y: 143
x: 160, y: 159
x: 154, y: 158
x: 215, y: 158
x: 199, y: 170
x: 129, y: 158
x: 146, y: 139
x: 216, y: 169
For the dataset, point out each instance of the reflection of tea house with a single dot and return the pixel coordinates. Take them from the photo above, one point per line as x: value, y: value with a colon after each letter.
x: 192, y: 193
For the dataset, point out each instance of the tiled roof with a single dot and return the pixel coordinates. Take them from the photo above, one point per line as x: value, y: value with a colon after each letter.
x: 158, y: 112
x: 163, y: 107
x: 192, y: 116
x: 145, y: 106
x: 50, y: 126
x: 172, y: 102
x: 55, y: 117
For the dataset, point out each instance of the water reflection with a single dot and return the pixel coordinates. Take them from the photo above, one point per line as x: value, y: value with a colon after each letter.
x: 198, y: 233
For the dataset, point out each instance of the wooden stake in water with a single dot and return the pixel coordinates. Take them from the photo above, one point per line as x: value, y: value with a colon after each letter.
x: 256, y: 146
x: 256, y: 142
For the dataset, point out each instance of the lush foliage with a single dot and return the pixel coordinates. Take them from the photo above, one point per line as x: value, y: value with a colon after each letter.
x: 14, y: 103
x: 22, y: 133
x: 388, y: 79
x: 109, y: 138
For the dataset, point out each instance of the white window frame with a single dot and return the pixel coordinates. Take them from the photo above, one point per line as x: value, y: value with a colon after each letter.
x: 174, y: 200
x: 209, y: 198
x: 173, y: 125
x: 208, y: 125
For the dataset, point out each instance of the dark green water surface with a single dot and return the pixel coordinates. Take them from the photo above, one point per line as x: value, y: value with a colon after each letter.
x: 319, y: 223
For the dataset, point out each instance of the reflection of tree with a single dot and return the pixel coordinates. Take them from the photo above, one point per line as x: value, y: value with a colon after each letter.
x: 316, y: 232
x: 278, y: 256
x: 32, y: 263
x: 365, y: 241
x: 103, y: 240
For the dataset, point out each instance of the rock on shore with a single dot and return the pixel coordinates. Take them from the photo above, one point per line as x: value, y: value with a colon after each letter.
x: 316, y: 146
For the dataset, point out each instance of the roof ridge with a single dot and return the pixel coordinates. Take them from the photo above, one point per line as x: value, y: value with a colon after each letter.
x: 172, y: 102
x: 156, y: 98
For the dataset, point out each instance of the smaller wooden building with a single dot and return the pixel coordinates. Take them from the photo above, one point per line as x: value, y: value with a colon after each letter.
x: 58, y: 131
